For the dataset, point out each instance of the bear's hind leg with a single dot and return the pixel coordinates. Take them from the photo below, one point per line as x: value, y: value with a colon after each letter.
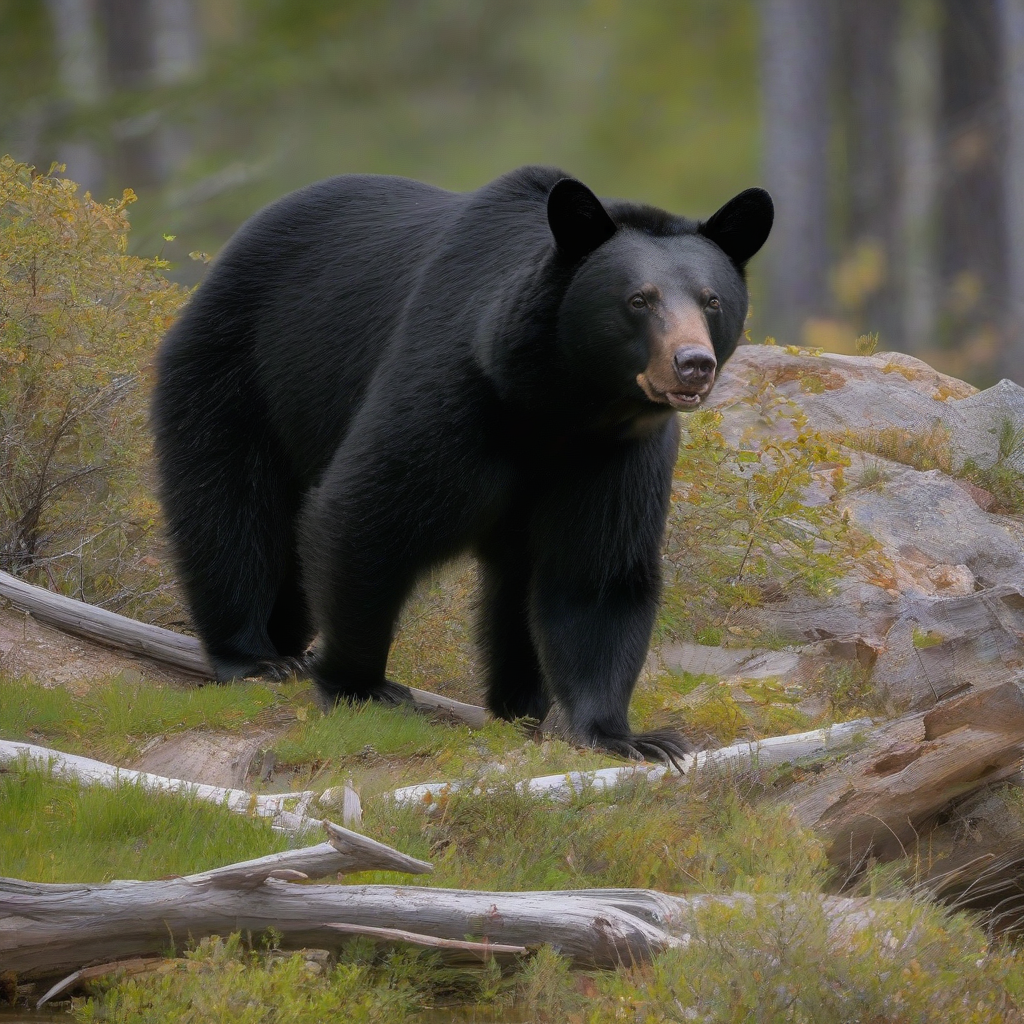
x: 248, y: 609
x: 291, y: 626
x: 229, y: 515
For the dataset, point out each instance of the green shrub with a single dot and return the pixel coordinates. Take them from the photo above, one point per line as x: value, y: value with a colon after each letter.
x: 79, y: 321
x: 739, y: 532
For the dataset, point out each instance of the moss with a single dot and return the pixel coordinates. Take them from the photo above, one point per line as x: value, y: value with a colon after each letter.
x: 717, y: 720
x: 923, y: 639
x: 848, y: 690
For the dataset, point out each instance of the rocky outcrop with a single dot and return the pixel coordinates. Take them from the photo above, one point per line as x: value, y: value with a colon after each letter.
x: 941, y: 607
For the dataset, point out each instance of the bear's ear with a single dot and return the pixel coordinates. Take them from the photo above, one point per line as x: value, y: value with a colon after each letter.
x: 578, y: 220
x: 741, y: 227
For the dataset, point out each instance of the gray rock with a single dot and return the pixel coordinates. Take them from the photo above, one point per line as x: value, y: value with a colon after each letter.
x: 942, y: 610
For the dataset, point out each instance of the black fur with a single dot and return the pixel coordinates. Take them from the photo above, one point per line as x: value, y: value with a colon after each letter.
x: 377, y: 375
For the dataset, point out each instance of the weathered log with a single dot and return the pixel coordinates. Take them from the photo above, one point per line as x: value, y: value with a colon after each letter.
x: 875, y: 801
x: 184, y: 653
x: 762, y: 753
x: 50, y: 930
x: 47, y: 930
x: 177, y: 650
x: 287, y: 811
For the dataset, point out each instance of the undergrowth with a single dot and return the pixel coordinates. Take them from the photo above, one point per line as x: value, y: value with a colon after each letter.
x: 706, y: 837
x: 762, y: 959
x: 739, y: 531
x: 912, y: 965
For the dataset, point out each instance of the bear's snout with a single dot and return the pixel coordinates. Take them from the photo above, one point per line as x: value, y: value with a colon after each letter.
x: 695, y: 368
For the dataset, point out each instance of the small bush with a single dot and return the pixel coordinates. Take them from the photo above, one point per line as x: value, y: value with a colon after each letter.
x: 739, y: 531
x: 79, y: 321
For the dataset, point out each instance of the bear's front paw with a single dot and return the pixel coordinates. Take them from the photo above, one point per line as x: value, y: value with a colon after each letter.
x: 665, y: 745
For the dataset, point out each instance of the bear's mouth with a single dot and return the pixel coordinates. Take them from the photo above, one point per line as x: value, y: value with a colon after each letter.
x: 677, y: 397
x: 684, y: 399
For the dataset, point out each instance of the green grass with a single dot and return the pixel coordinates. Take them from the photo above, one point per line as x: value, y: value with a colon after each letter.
x: 361, y: 730
x: 114, y: 717
x: 911, y: 965
x: 383, y: 747
x: 915, y: 963
x: 55, y: 831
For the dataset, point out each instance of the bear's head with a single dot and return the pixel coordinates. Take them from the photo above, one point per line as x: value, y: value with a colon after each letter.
x: 656, y: 304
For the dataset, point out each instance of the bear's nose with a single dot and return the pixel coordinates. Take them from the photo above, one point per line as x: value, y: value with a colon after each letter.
x: 695, y: 367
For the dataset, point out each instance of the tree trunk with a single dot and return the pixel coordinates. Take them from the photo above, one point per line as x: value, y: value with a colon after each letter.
x: 866, y: 44
x: 795, y: 89
x: 81, y: 79
x: 128, y: 31
x: 973, y: 229
x: 49, y: 930
x: 918, y: 67
x: 1011, y: 19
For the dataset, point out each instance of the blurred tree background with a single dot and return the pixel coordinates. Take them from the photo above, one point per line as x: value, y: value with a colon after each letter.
x: 890, y: 131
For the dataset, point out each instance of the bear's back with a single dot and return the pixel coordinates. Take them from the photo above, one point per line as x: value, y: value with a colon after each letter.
x: 342, y: 263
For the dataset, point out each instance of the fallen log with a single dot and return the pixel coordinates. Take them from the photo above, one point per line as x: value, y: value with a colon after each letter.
x: 177, y: 650
x: 47, y: 930
x: 35, y: 915
x: 774, y: 750
x: 876, y: 801
x: 184, y: 653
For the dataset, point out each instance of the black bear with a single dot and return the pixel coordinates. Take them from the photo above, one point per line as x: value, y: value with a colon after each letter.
x: 378, y: 374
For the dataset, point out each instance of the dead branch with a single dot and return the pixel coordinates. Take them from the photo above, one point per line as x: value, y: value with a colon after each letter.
x: 287, y: 811
x: 177, y: 650
x: 774, y: 750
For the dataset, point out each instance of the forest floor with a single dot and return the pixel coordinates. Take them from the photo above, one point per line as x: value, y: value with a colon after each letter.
x: 718, y: 832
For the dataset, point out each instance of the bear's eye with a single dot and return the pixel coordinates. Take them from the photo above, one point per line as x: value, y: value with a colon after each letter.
x: 713, y: 303
x: 638, y: 301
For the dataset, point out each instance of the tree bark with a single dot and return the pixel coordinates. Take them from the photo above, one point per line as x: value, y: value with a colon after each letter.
x: 866, y: 44
x: 918, y: 70
x: 48, y: 930
x: 77, y: 49
x: 973, y: 229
